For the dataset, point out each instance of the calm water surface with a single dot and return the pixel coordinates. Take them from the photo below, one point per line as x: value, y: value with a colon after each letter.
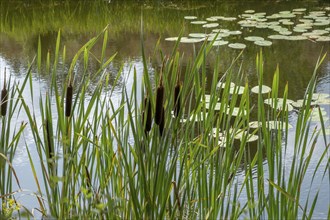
x: 23, y: 23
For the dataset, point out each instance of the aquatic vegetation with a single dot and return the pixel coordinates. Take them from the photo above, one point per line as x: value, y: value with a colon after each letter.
x: 100, y: 159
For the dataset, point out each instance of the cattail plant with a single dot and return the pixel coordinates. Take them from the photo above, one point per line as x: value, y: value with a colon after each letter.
x: 146, y: 115
x: 162, y: 122
x: 159, y: 101
x: 4, y: 97
x: 68, y: 101
x: 177, y: 97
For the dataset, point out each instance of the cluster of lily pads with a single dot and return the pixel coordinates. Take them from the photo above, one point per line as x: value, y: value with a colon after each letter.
x: 318, y: 100
x: 296, y: 24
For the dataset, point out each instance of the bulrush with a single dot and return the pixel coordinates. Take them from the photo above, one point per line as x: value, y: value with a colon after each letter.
x: 162, y: 122
x: 159, y: 101
x: 177, y: 98
x: 146, y: 115
x: 4, y: 97
x: 68, y: 100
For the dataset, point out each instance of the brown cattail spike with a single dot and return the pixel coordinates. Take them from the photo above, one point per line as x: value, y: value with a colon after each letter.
x: 68, y: 100
x: 177, y: 90
x: 146, y: 115
x: 159, y: 102
x: 4, y: 97
x: 162, y: 122
x: 49, y: 140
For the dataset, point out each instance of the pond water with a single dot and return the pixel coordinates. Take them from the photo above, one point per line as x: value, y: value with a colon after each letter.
x: 22, y: 23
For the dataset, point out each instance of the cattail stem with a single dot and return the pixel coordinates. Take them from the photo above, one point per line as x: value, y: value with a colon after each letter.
x: 4, y: 97
x: 68, y: 101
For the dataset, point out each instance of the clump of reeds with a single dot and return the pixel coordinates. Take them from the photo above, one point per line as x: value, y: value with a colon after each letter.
x: 4, y: 97
x: 68, y: 101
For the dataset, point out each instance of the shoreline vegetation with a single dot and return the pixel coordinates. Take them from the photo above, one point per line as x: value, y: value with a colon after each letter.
x: 106, y: 159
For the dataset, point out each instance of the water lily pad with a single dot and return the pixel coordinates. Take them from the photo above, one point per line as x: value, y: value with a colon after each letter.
x: 264, y: 43
x: 253, y: 38
x: 285, y: 12
x: 210, y: 25
x: 297, y: 37
x: 221, y: 30
x: 198, y: 117
x: 237, y: 46
x: 229, y: 19
x: 249, y: 11
x: 234, y: 32
x: 211, y: 19
x: 285, y: 33
x: 302, y: 27
x: 260, y: 14
x: 236, y: 89
x: 299, y: 9
x: 198, y: 22
x: 217, y: 36
x: 288, y: 23
x: 190, y: 17
x: 277, y: 37
x: 249, y: 25
x: 299, y: 103
x: 261, y: 20
x: 275, y: 125
x: 172, y: 38
x: 255, y: 124
x: 191, y: 40
x: 273, y: 16
x: 207, y: 98
x: 306, y: 20
x: 264, y: 89
x: 323, y: 38
x: 236, y: 111
x: 291, y: 15
x: 317, y: 96
x: 240, y: 134
x: 222, y: 85
x: 220, y: 43
x: 299, y: 30
x: 280, y: 104
x: 215, y: 107
x: 325, y: 101
x: 197, y: 35
x: 262, y: 25
x: 322, y: 23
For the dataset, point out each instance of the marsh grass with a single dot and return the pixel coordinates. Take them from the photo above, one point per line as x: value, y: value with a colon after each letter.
x: 110, y: 160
